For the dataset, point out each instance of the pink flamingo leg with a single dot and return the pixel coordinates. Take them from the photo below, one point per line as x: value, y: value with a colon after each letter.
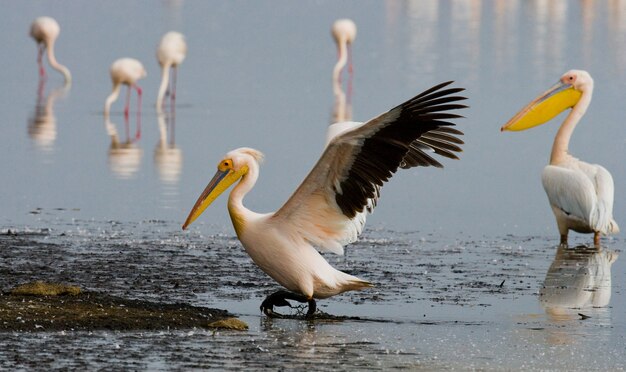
x: 139, y: 92
x: 127, y: 105
x: 42, y: 70
x: 41, y: 87
x: 172, y: 125
x: 173, y: 87
x: 127, y: 127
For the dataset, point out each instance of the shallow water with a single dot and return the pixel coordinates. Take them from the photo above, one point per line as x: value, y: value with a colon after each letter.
x: 102, y: 209
x: 438, y: 302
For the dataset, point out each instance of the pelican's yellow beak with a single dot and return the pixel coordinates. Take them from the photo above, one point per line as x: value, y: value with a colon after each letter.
x: 545, y: 107
x: 223, y: 179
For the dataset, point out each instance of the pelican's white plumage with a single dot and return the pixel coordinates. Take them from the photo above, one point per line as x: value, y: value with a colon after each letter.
x: 327, y: 210
x: 580, y: 194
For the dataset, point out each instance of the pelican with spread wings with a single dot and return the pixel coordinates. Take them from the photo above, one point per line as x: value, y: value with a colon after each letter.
x: 328, y: 209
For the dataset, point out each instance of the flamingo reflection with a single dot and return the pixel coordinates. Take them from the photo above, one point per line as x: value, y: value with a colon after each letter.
x: 578, y: 278
x: 167, y: 157
x: 42, y: 125
x: 124, y: 157
x: 342, y: 109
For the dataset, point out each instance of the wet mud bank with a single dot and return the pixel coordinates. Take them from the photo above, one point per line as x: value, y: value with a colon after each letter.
x: 114, y: 283
x: 38, y: 307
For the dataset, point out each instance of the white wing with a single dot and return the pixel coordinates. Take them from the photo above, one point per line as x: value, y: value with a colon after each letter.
x: 336, y: 129
x: 584, y: 191
x: 604, y: 189
x: 328, y: 207
x: 571, y: 191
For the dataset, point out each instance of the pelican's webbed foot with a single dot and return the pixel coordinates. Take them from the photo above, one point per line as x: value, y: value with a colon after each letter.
x: 280, y: 299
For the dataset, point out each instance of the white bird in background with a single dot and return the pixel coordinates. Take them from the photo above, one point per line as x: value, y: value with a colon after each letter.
x: 342, y: 30
x: 125, y: 71
x: 580, y: 194
x: 45, y: 31
x: 344, y: 33
x: 171, y: 52
x: 326, y: 210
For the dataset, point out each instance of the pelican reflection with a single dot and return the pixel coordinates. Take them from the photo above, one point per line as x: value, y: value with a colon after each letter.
x: 42, y: 125
x: 167, y: 157
x: 124, y: 157
x: 578, y: 278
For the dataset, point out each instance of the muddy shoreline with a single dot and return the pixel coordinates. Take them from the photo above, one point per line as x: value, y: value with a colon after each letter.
x: 90, y: 311
x: 477, y: 295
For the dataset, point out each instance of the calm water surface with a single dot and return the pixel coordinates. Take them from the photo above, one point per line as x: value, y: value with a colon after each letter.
x: 258, y: 74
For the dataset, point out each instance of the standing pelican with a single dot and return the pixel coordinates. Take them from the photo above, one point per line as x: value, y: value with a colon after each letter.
x: 326, y: 210
x: 344, y: 33
x: 171, y: 52
x: 580, y: 194
x: 45, y: 31
x: 125, y: 71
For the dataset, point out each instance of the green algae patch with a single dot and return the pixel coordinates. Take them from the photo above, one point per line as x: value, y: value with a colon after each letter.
x: 25, y: 310
x: 229, y: 323
x: 40, y: 288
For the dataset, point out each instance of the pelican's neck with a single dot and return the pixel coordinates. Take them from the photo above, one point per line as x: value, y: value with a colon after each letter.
x: 165, y: 78
x: 342, y: 48
x: 57, y: 66
x: 239, y: 214
x: 561, y: 140
x: 111, y: 98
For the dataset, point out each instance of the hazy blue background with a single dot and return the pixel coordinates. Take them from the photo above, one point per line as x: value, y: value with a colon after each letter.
x: 258, y: 74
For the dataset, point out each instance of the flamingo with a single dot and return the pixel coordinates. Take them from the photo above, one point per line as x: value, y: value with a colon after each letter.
x: 45, y: 31
x: 326, y: 210
x: 344, y: 33
x: 125, y: 71
x: 171, y: 52
x: 580, y: 194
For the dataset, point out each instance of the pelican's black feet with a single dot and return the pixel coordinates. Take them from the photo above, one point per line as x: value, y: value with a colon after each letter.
x: 280, y: 299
